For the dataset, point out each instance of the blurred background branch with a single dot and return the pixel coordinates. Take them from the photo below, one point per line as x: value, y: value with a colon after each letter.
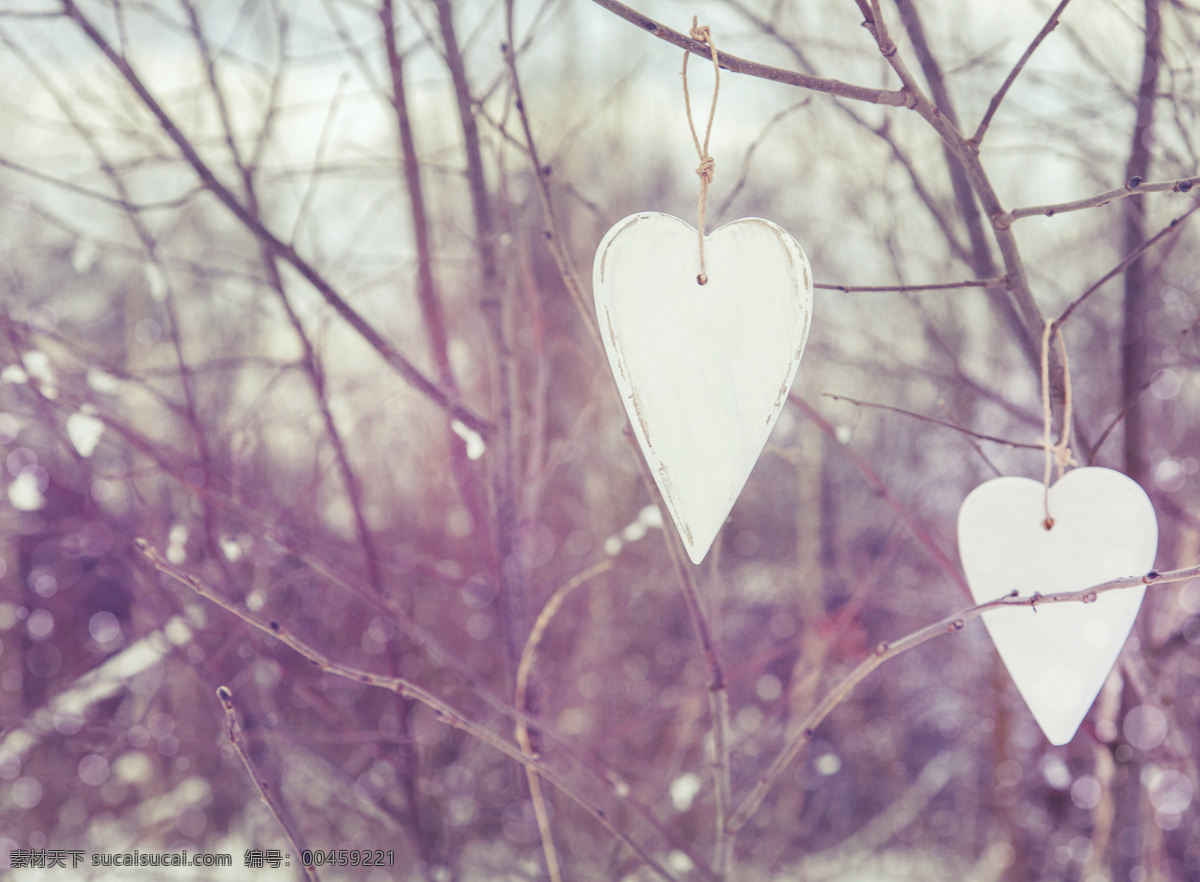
x: 217, y: 219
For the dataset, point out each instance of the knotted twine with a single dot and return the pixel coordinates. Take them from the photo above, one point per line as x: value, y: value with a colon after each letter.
x: 1059, y: 453
x: 706, y: 168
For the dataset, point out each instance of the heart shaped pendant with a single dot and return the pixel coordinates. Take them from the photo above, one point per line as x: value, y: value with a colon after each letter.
x: 703, y: 370
x: 1104, y: 528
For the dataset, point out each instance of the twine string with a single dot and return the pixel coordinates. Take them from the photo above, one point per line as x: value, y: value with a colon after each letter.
x: 1059, y: 453
x: 706, y: 169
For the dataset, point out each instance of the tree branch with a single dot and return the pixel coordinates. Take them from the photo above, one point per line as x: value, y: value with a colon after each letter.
x: 994, y: 104
x: 401, y: 686
x: 936, y: 422
x: 881, y: 131
x: 718, y: 693
x: 948, y: 625
x: 208, y: 178
x: 524, y: 674
x: 1129, y: 405
x: 1134, y: 187
x: 1014, y: 304
x: 1135, y: 333
x: 1125, y: 262
x: 234, y: 730
x: 753, y: 68
x: 936, y: 286
x: 471, y: 485
x: 1021, y: 314
x: 512, y: 588
x: 541, y: 173
x: 919, y: 532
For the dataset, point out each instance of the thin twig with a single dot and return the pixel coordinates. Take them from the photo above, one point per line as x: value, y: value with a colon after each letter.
x: 208, y: 178
x: 753, y: 68
x: 409, y: 764
x: 444, y: 712
x: 1136, y: 303
x: 470, y: 483
x: 970, y: 440
x: 934, y: 286
x: 335, y: 575
x: 934, y: 420
x: 718, y: 695
x: 524, y: 672
x: 876, y: 24
x: 970, y: 182
x: 125, y: 205
x: 881, y: 131
x: 1129, y: 405
x: 1133, y: 187
x: 1125, y: 262
x: 994, y: 104
x: 541, y: 173
x: 948, y: 625
x: 744, y: 171
x: 919, y: 532
x: 1120, y: 418
x: 264, y: 791
x: 302, y: 551
x: 495, y: 309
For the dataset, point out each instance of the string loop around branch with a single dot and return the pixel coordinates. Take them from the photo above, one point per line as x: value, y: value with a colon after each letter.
x: 707, y: 167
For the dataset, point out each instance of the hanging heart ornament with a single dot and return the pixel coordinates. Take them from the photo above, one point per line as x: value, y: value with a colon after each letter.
x: 1058, y: 654
x: 703, y: 370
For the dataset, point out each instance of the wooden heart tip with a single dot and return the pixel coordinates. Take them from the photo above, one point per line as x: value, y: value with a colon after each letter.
x: 1058, y: 739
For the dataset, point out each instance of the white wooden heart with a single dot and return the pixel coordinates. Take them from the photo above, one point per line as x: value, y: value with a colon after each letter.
x: 703, y: 370
x: 1104, y: 528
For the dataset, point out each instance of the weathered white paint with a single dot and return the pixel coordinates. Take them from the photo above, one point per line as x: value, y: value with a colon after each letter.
x: 1104, y: 528
x: 703, y: 370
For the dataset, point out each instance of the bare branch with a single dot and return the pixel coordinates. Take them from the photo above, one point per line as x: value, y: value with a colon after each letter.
x: 1135, y: 306
x: 524, y: 673
x: 876, y: 24
x: 755, y: 69
x: 936, y: 422
x: 495, y: 312
x: 718, y: 693
x: 994, y: 104
x: 881, y: 131
x: 1125, y: 262
x: 974, y: 444
x: 541, y: 173
x: 401, y: 686
x: 390, y: 354
x: 948, y: 625
x: 1129, y: 405
x: 1016, y: 306
x: 919, y: 532
x: 935, y: 286
x: 115, y: 201
x: 472, y: 486
x: 264, y: 791
x: 1134, y: 187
